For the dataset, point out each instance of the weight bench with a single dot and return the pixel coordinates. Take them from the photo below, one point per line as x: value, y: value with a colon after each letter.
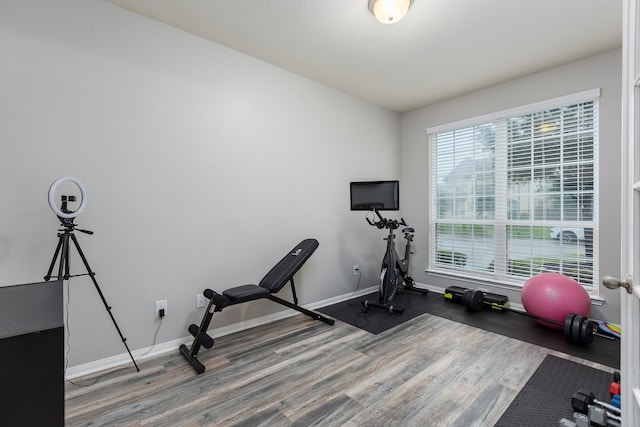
x: 275, y: 280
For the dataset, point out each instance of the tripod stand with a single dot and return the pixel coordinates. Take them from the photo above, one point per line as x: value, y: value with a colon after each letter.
x: 62, y: 250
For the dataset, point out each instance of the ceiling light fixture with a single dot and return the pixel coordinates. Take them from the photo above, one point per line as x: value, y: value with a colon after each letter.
x: 389, y: 11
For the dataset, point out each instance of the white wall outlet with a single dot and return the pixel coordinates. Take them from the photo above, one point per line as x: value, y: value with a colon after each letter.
x: 161, y: 305
x: 356, y: 270
x: 200, y: 301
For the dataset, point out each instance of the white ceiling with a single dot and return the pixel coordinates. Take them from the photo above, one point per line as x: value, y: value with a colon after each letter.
x: 442, y: 48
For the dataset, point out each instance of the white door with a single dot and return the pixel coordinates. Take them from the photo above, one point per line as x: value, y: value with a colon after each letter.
x: 630, y: 236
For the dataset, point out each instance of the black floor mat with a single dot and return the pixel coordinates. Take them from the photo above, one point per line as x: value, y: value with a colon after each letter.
x: 377, y: 320
x: 601, y: 350
x: 546, y: 397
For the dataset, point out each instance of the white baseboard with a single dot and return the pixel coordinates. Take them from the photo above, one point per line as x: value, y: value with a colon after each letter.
x: 169, y: 346
x: 430, y: 288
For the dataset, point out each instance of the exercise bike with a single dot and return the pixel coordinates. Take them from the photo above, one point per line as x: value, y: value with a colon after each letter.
x: 394, y: 273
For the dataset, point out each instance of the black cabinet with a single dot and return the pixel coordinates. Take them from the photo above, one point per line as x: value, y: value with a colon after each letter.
x: 32, y: 355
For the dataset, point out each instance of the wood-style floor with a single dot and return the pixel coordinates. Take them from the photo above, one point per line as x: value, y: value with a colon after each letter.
x: 428, y: 371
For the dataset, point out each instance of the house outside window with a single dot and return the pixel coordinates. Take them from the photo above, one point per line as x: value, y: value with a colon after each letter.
x: 514, y: 193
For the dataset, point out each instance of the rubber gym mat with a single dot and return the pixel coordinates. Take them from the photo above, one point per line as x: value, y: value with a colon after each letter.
x: 546, y: 397
x: 377, y: 320
x: 512, y: 325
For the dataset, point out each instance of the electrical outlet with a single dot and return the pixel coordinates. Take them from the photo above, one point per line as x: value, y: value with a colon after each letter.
x: 200, y: 301
x: 161, y: 305
x: 356, y: 270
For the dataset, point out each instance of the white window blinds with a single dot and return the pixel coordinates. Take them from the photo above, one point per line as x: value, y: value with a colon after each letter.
x: 515, y: 195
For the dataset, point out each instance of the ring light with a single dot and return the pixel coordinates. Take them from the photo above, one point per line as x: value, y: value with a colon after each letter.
x: 52, y: 195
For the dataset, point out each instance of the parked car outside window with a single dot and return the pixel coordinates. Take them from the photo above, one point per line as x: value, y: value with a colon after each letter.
x: 567, y: 234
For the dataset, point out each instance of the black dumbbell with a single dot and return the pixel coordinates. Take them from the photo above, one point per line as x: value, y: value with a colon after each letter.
x: 597, y: 417
x: 583, y: 399
x: 577, y: 329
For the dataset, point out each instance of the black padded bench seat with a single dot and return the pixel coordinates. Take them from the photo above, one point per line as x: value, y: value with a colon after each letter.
x: 245, y: 293
x: 272, y: 282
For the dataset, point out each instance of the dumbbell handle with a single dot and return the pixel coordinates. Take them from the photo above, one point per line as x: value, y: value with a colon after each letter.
x: 609, y: 407
x: 610, y: 338
x: 542, y: 319
x: 524, y: 313
x: 577, y: 329
x: 554, y: 322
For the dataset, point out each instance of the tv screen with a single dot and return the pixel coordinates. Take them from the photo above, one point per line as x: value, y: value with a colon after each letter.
x: 380, y: 195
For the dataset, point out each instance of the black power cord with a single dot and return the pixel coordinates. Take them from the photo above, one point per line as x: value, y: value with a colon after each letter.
x: 155, y: 337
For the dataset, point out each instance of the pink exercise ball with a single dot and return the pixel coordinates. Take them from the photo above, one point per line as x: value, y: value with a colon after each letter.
x: 553, y: 296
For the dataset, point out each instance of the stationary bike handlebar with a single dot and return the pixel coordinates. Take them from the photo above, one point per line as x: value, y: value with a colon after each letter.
x: 383, y: 222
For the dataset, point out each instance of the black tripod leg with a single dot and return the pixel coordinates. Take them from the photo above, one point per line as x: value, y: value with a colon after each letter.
x: 53, y: 260
x: 104, y: 301
x: 65, y: 256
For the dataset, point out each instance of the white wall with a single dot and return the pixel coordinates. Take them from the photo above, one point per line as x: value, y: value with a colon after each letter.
x: 202, y: 166
x: 601, y: 71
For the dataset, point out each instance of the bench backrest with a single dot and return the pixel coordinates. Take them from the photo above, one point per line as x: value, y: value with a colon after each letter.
x: 283, y: 271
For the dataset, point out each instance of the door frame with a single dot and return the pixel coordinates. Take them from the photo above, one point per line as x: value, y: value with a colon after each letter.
x: 630, y: 212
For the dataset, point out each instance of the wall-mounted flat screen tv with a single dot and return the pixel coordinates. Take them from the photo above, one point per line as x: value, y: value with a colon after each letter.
x: 370, y: 195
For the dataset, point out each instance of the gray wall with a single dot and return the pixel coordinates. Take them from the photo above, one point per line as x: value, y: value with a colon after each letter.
x: 601, y: 71
x: 203, y: 167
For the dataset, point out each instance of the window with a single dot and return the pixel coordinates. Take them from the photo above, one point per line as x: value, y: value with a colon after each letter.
x: 513, y: 194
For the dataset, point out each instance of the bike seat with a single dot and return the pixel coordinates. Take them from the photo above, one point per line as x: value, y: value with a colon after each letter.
x: 408, y: 230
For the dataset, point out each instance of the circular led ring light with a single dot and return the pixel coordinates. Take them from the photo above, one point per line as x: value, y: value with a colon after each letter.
x: 52, y: 195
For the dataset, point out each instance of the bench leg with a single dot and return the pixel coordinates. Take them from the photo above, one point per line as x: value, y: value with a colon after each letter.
x: 303, y: 310
x: 200, y: 337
